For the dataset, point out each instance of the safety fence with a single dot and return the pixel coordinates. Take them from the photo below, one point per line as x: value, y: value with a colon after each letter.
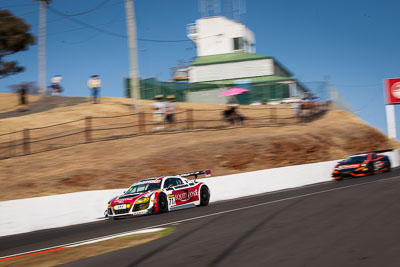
x: 93, y: 129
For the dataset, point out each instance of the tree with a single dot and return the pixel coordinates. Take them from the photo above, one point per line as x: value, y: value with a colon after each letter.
x: 30, y: 86
x: 14, y: 37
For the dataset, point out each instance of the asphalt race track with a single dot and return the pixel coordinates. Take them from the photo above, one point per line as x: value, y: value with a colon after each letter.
x: 354, y: 222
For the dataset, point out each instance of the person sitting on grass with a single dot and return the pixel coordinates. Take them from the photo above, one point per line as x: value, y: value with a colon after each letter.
x: 232, y: 116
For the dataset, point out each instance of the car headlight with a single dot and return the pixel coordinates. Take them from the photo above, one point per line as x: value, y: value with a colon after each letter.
x: 142, y: 200
x: 363, y: 165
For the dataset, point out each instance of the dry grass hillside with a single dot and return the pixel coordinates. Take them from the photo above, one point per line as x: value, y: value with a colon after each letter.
x: 8, y: 101
x: 118, y: 163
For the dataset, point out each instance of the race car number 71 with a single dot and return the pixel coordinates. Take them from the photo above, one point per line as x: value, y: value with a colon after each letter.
x: 172, y: 201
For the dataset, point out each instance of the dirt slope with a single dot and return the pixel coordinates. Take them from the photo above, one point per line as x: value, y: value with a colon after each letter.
x: 118, y: 163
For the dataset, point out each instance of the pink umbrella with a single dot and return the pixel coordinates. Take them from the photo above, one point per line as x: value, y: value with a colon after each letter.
x: 234, y: 91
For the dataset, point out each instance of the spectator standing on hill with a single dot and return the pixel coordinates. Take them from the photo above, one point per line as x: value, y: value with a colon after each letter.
x: 94, y: 84
x: 170, y: 109
x: 23, y: 91
x: 55, y: 86
x: 158, y: 112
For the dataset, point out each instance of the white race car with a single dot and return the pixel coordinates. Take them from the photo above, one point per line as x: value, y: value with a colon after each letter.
x: 160, y: 194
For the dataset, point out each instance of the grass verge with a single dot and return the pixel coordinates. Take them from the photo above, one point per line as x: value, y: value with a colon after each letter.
x: 85, y: 251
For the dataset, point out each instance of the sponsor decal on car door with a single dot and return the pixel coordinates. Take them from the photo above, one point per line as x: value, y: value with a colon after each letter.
x: 181, y: 196
x: 193, y: 194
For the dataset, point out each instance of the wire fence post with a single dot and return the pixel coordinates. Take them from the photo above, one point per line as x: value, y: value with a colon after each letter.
x: 313, y: 110
x: 88, y: 129
x: 189, y: 118
x: 142, y: 122
x: 298, y: 114
x: 272, y: 111
x: 26, y: 142
x: 11, y: 145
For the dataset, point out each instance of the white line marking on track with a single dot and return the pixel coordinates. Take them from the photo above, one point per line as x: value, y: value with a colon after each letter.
x: 152, y: 230
x: 89, y: 241
x: 205, y: 216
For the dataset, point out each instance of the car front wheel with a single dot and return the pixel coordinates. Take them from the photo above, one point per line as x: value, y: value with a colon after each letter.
x: 339, y: 178
x: 162, y: 203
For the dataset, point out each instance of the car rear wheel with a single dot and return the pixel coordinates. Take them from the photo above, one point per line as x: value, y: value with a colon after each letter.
x: 371, y: 169
x: 162, y: 203
x: 388, y: 166
x: 204, y: 196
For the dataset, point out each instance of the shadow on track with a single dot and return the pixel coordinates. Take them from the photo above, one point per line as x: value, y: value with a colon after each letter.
x: 230, y: 249
x: 159, y: 249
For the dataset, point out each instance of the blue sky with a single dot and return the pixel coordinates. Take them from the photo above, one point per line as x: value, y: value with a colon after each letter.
x: 352, y: 43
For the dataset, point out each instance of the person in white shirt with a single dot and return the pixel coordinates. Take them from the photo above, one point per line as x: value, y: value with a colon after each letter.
x: 56, y: 85
x: 158, y: 111
x: 94, y: 84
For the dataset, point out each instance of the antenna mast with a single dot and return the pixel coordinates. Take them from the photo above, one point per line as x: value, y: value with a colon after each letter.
x: 235, y: 9
x: 42, y: 46
x: 210, y: 8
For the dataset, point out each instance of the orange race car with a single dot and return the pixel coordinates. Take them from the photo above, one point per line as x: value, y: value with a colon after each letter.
x: 361, y: 165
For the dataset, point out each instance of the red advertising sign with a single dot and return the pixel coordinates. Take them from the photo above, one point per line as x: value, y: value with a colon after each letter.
x: 392, y: 88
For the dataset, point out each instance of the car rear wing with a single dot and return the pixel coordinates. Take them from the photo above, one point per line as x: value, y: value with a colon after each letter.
x: 383, y: 151
x: 207, y: 173
x: 376, y: 151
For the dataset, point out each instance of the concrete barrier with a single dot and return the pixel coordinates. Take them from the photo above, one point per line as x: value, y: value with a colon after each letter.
x: 257, y: 182
x: 25, y: 215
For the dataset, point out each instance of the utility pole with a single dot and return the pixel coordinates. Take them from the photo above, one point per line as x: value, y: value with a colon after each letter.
x: 133, y: 74
x: 42, y: 46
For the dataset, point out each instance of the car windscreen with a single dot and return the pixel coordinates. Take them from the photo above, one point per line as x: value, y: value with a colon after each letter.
x: 144, y: 186
x: 354, y: 160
